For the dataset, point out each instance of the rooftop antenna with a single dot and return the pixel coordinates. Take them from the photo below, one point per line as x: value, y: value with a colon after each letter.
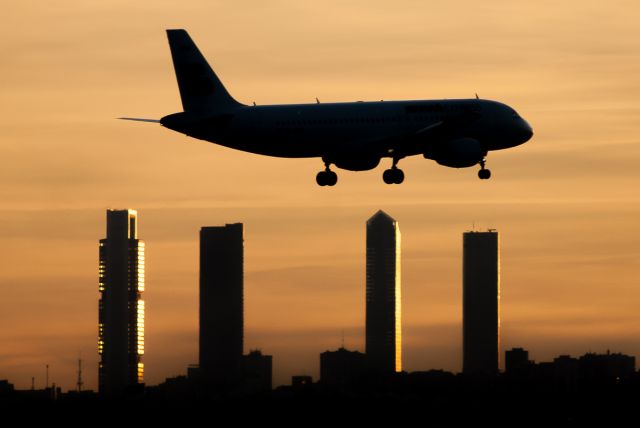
x: 477, y: 97
x: 317, y: 100
x: 47, y: 378
x: 80, y: 383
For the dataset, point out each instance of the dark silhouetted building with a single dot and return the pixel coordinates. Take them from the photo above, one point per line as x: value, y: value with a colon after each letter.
x: 481, y: 303
x: 566, y: 372
x: 383, y: 311
x: 516, y: 361
x: 301, y: 381
x: 6, y: 389
x: 193, y: 373
x: 602, y: 368
x: 121, y: 308
x: 221, y: 306
x: 257, y: 372
x: 341, y: 366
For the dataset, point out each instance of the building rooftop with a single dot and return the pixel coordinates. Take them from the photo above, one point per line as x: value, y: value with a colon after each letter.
x: 381, y: 216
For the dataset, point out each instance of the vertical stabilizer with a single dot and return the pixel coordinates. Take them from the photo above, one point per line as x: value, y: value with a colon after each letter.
x: 200, y: 88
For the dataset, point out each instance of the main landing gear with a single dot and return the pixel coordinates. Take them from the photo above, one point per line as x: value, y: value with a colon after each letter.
x: 327, y: 177
x: 484, y: 174
x: 393, y: 175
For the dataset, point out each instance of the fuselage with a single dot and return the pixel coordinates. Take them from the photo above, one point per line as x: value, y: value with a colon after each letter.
x: 372, y: 129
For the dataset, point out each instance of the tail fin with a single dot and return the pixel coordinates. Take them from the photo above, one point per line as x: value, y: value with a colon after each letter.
x: 200, y: 88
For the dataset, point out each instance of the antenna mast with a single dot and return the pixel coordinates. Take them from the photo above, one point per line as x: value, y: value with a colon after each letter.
x: 80, y: 383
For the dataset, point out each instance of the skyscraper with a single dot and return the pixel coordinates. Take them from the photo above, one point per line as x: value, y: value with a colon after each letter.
x: 481, y: 303
x: 121, y: 308
x: 383, y: 312
x: 221, y: 305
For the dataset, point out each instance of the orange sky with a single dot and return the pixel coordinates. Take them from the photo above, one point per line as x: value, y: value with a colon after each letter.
x: 566, y: 203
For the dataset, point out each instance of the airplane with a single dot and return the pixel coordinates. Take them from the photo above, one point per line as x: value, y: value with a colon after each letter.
x: 354, y: 136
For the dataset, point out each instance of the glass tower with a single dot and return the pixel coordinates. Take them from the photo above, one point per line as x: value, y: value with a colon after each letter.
x: 383, y: 312
x: 121, y: 308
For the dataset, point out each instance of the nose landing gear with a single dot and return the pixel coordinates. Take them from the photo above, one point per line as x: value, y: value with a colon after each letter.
x: 484, y: 174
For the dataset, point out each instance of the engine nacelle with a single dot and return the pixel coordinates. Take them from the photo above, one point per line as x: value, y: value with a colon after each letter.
x: 356, y: 163
x: 460, y: 153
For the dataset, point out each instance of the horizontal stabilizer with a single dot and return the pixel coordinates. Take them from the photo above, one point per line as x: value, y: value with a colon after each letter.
x: 137, y: 119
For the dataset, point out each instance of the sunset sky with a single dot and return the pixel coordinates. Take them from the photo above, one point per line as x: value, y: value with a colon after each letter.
x: 566, y: 204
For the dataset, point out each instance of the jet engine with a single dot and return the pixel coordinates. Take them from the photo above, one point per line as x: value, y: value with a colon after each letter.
x: 460, y: 153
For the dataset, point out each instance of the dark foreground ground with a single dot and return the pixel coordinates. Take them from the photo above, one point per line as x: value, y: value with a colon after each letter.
x: 430, y: 401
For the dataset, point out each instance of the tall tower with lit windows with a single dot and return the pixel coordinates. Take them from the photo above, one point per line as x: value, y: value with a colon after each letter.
x: 121, y: 308
x: 383, y: 311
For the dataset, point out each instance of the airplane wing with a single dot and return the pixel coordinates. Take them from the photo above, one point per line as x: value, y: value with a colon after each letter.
x: 414, y: 141
x: 428, y: 128
x: 401, y: 145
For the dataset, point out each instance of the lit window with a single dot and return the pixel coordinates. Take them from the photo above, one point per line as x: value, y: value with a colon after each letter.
x: 140, y: 372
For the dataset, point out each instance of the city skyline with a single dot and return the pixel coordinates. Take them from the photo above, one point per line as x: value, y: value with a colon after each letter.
x: 222, y: 247
x: 566, y: 203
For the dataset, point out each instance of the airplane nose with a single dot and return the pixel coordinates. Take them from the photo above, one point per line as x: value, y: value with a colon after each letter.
x: 527, y: 131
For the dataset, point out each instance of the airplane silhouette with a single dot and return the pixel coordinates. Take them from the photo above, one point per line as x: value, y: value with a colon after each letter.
x: 350, y: 135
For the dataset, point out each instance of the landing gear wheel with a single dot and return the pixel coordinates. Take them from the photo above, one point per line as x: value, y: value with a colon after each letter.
x: 332, y: 178
x: 393, y: 176
x: 484, y: 174
x: 387, y: 176
x: 326, y: 178
x: 321, y: 178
